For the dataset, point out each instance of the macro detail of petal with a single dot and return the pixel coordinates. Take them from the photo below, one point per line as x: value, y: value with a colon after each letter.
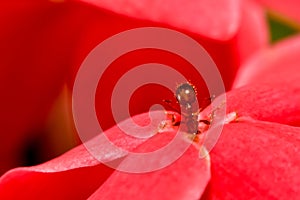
x: 211, y: 18
x: 231, y: 20
x: 278, y: 64
x: 228, y: 54
x: 76, y: 183
x: 186, y: 178
x: 256, y: 160
x: 77, y: 174
x: 251, y: 23
x: 266, y: 103
x: 269, y: 85
x: 254, y: 157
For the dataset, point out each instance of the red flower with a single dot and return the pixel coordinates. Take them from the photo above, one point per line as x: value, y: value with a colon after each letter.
x: 43, y: 41
x: 255, y: 157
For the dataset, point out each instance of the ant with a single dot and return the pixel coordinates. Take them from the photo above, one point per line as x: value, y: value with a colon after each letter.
x: 194, y: 123
x: 186, y: 96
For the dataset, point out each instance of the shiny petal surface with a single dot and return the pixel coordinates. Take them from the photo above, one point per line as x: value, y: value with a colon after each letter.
x: 193, y: 16
x: 267, y: 103
x: 228, y: 55
x: 64, y: 175
x: 256, y: 160
x: 186, y: 178
x: 277, y: 65
x: 41, y: 40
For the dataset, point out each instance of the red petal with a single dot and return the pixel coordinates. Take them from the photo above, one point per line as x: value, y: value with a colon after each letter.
x: 74, y: 175
x: 252, y: 22
x: 262, y: 102
x: 209, y: 18
x: 275, y: 101
x: 227, y: 54
x: 77, y: 174
x: 274, y: 79
x: 256, y: 160
x: 186, y: 178
x: 202, y: 20
x: 276, y: 65
x: 78, y: 183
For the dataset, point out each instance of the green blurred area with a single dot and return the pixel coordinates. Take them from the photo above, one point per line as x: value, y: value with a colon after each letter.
x: 280, y: 29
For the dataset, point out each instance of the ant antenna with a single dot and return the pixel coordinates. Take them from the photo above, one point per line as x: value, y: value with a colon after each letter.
x: 168, y: 103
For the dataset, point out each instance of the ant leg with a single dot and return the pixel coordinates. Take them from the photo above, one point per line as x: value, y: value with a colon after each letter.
x: 207, y: 122
x: 173, y: 119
